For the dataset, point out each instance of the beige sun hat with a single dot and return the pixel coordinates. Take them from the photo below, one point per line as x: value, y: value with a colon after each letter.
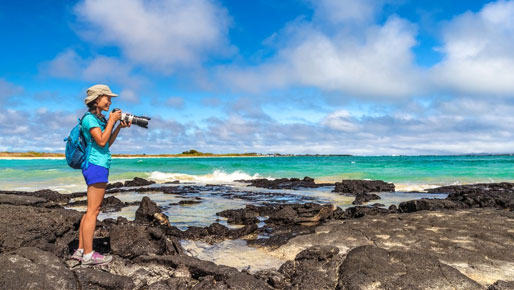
x: 96, y: 91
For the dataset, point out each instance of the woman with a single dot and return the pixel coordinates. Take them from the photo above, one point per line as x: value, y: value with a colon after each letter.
x: 101, y: 135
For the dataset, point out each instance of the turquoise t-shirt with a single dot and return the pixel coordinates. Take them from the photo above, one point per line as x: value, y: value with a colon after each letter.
x: 98, y: 155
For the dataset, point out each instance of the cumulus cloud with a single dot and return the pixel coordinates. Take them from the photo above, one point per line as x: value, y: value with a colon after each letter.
x: 67, y: 64
x: 129, y: 95
x: 350, y: 53
x: 375, y: 62
x: 160, y: 34
x: 248, y: 108
x: 341, y: 121
x: 8, y: 91
x: 100, y: 69
x: 479, y: 52
x: 51, y: 127
x: 70, y: 65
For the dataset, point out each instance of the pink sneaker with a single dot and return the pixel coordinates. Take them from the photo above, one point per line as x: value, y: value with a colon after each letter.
x: 77, y: 255
x: 96, y: 259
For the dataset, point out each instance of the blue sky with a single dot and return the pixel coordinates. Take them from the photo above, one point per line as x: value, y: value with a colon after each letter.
x: 359, y: 77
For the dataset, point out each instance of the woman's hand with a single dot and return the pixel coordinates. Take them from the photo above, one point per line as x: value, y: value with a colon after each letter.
x: 124, y: 124
x: 114, y: 116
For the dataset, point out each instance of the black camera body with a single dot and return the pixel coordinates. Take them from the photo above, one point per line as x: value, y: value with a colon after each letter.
x: 141, y: 121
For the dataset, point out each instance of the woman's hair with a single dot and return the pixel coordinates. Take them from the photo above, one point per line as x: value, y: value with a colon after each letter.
x: 91, y: 107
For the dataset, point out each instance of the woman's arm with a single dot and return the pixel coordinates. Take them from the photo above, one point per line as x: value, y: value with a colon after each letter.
x: 101, y: 138
x: 114, y: 134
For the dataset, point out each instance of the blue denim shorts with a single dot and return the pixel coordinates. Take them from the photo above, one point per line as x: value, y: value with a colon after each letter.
x: 95, y: 174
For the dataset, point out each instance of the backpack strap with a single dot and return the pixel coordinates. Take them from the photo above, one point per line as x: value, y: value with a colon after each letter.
x: 89, y: 144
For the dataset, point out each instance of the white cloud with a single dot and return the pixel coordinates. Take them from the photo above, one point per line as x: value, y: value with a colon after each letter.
x: 340, y: 121
x: 375, y: 62
x: 348, y: 53
x: 104, y: 68
x: 67, y: 64
x: 379, y: 66
x: 161, y: 33
x: 479, y: 52
x: 8, y: 91
x: 129, y: 95
x: 100, y: 69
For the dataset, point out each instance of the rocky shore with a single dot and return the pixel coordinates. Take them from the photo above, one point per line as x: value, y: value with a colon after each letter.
x: 465, y: 241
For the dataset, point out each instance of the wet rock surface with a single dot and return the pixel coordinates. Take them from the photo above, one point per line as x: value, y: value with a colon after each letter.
x: 462, y: 242
x: 495, y: 195
x: 281, y: 213
x: 285, y: 183
x: 356, y: 187
x: 137, y: 181
x: 109, y: 204
x: 365, y: 197
x: 281, y: 222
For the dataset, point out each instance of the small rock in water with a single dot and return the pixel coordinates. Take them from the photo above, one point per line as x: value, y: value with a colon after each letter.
x: 148, y: 211
x: 365, y: 197
x: 355, y: 187
x: 138, y: 182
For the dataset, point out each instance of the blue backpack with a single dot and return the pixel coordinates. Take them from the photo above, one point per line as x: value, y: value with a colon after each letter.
x: 77, y: 149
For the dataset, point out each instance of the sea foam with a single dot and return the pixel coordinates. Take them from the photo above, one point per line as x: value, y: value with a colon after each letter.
x: 217, y: 176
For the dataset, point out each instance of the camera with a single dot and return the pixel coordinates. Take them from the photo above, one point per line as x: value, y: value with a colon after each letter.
x: 141, y: 121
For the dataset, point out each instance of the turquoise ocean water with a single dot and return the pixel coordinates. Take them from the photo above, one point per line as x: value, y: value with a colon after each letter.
x: 407, y: 172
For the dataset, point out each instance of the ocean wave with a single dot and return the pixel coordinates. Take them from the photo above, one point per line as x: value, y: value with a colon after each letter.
x: 423, y: 186
x: 217, y: 176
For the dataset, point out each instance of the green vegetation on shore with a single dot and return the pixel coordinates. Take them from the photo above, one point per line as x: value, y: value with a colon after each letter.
x: 190, y: 153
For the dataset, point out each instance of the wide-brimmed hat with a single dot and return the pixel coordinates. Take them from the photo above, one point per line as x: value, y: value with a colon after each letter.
x: 96, y: 91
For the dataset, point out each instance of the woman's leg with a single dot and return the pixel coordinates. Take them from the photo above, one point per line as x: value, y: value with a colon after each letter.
x: 81, y: 237
x: 95, y: 196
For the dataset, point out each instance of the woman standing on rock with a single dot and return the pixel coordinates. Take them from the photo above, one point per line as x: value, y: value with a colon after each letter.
x: 99, y: 132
